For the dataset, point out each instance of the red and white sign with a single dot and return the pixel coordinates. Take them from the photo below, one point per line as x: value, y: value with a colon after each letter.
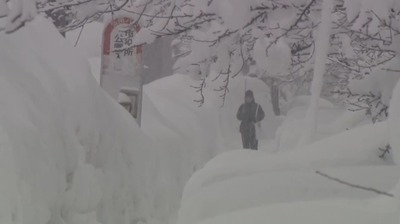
x: 119, y: 56
x: 121, y: 65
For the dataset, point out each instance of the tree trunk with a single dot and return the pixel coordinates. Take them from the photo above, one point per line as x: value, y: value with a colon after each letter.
x: 275, y: 97
x: 274, y: 90
x: 322, y: 47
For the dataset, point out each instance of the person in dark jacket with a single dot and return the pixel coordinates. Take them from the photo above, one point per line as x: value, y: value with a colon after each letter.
x: 249, y: 114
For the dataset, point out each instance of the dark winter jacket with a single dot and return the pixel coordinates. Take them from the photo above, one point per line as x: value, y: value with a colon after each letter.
x: 248, y: 115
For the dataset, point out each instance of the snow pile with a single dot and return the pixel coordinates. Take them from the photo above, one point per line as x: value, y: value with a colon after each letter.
x: 328, y: 212
x: 331, y: 120
x: 241, y: 180
x: 303, y: 101
x: 69, y: 153
x: 352, y: 148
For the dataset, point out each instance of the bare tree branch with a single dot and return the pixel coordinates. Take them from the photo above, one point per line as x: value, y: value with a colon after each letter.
x: 354, y: 185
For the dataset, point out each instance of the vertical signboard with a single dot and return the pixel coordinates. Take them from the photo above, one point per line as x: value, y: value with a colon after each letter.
x: 121, y: 67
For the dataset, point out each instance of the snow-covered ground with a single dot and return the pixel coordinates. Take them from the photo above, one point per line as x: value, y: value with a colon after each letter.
x: 329, y: 212
x: 259, y: 186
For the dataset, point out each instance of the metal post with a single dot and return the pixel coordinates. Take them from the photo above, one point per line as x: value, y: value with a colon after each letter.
x: 141, y: 71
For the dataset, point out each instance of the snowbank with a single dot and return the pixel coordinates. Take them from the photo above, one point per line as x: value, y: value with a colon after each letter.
x: 303, y: 101
x: 331, y: 212
x: 69, y: 153
x: 275, y: 187
x: 245, y: 179
x: 351, y: 148
x: 95, y: 67
x: 331, y: 120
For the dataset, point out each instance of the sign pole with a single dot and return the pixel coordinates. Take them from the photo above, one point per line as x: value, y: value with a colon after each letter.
x: 140, y: 65
x: 141, y: 70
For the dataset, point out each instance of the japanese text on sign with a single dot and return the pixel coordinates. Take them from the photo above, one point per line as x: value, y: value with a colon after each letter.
x: 123, y: 40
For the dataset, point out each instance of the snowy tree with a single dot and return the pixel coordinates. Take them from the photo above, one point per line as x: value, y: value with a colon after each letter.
x: 369, y: 55
x: 222, y: 39
x: 274, y: 40
x: 66, y: 14
x: 323, y: 43
x: 17, y: 12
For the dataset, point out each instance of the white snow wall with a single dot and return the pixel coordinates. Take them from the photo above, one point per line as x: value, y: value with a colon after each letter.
x: 68, y: 153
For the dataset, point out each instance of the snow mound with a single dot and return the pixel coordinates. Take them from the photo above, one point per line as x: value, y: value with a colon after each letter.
x: 331, y: 120
x: 355, y: 147
x: 331, y: 212
x: 244, y: 179
x: 304, y: 101
x: 69, y: 153
x: 273, y: 187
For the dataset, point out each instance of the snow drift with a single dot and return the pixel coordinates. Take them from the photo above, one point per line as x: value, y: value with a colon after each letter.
x: 234, y: 182
x: 69, y: 153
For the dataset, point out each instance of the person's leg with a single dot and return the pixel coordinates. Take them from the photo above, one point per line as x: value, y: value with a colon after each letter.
x: 246, y: 140
x: 255, y: 144
x: 243, y: 140
x: 253, y: 141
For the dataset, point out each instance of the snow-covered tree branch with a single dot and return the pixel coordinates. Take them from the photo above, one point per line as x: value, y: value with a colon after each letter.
x: 273, y: 39
x: 66, y: 14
